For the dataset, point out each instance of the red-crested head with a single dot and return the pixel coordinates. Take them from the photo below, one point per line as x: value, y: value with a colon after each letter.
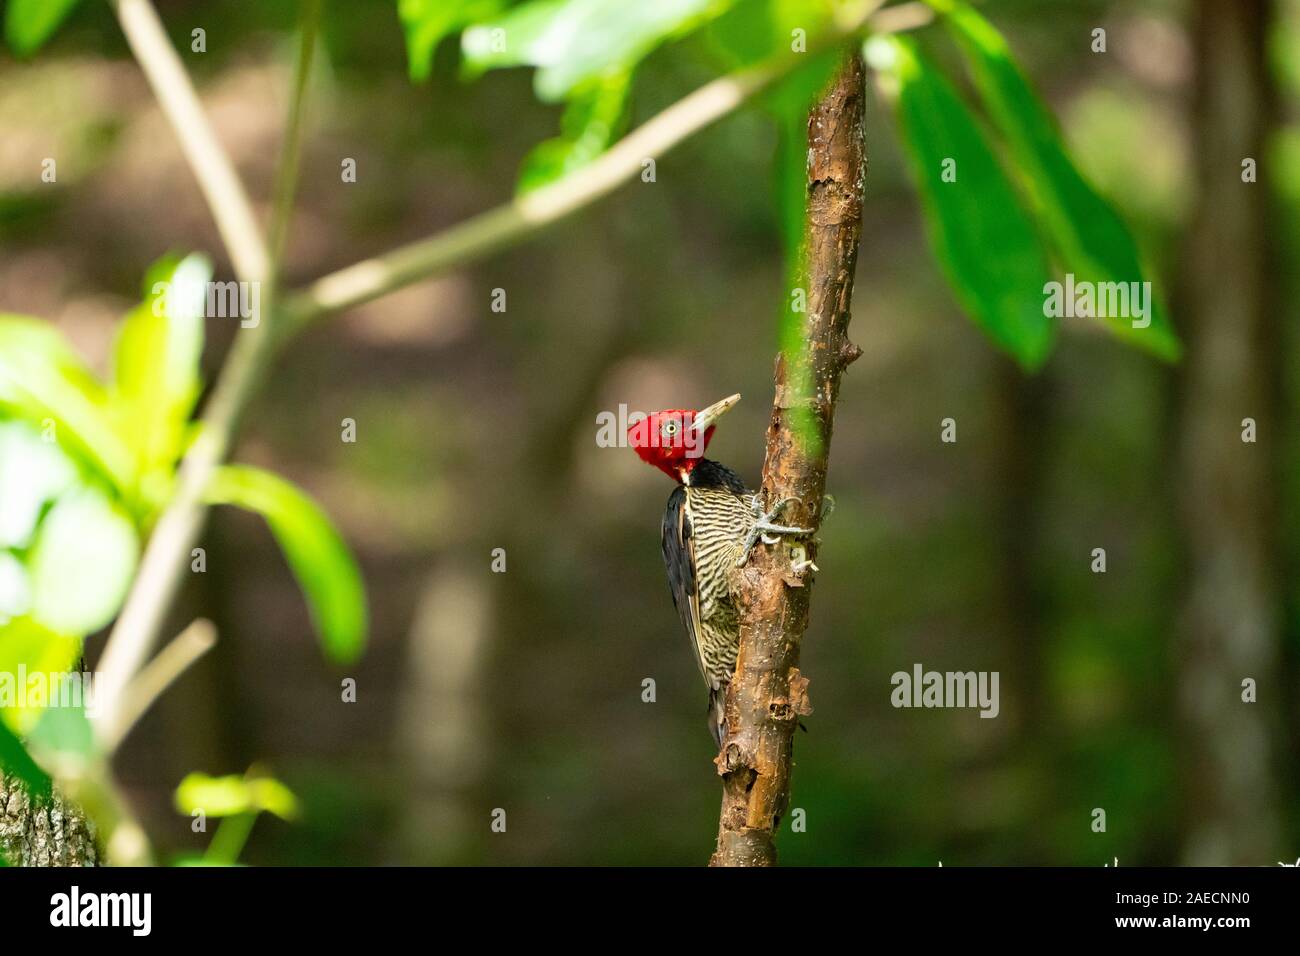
x: 675, y: 440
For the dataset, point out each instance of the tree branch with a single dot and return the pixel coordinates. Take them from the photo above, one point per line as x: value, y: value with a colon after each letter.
x: 225, y: 194
x: 767, y: 694
x: 159, y: 674
x: 165, y: 558
x: 526, y: 215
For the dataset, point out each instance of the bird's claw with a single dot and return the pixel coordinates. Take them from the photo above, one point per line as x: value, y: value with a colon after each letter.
x: 766, y: 529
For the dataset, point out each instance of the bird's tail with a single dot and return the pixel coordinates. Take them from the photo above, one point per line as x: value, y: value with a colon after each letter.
x: 717, y: 714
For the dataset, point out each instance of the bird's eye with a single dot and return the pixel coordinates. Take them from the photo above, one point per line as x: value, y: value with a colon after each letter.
x: 670, y: 428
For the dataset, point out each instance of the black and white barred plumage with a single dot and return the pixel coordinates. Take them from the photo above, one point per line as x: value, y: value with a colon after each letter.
x: 704, y: 532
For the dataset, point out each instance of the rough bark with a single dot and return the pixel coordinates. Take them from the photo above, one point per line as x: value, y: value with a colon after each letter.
x: 1231, y: 620
x: 43, y: 832
x: 768, y: 695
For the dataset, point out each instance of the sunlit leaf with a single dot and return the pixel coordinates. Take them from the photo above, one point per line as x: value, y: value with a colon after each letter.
x: 33, y: 473
x: 64, y: 730
x: 42, y: 381
x: 427, y: 22
x: 979, y: 231
x: 81, y: 562
x: 198, y: 859
x: 1091, y: 240
x: 29, y: 648
x: 316, y: 553
x: 592, y: 120
x: 29, y: 23
x: 574, y: 41
x: 156, y: 362
x: 233, y: 794
x: 15, y: 588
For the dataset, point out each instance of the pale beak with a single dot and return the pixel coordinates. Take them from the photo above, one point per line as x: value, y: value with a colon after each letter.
x: 708, y: 417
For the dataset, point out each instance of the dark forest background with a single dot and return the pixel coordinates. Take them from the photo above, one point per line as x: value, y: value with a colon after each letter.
x: 477, y: 430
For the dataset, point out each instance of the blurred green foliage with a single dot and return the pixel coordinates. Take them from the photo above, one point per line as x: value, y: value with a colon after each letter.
x: 962, y: 557
x: 237, y: 801
x: 85, y: 471
x: 317, y: 554
x: 971, y: 206
x: 29, y: 23
x: 1088, y: 236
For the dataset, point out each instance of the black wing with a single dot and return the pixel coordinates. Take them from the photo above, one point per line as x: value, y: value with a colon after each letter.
x: 679, y: 559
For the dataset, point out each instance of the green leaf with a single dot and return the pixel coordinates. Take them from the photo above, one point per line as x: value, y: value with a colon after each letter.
x: 15, y: 588
x: 63, y: 731
x: 978, y: 229
x: 156, y: 367
x: 232, y: 795
x: 29, y: 648
x: 592, y: 119
x: 1090, y: 238
x: 29, y: 23
x: 757, y: 30
x: 32, y: 474
x: 427, y: 22
x: 42, y: 381
x: 82, y: 562
x: 198, y: 859
x: 15, y: 759
x: 317, y: 554
x: 754, y: 30
x: 575, y: 41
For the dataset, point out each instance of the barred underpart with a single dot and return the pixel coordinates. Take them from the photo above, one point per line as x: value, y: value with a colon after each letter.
x: 704, y: 533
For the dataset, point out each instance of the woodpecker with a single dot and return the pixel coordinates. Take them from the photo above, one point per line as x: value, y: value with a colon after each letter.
x: 711, y: 524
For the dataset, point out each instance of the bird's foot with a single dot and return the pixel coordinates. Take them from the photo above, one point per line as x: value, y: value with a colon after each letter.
x: 766, y: 528
x: 799, y: 560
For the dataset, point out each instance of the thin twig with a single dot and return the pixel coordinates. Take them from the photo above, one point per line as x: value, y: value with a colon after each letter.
x: 524, y: 216
x: 904, y: 17
x: 159, y: 674
x: 225, y: 194
x: 164, y: 561
x: 286, y: 179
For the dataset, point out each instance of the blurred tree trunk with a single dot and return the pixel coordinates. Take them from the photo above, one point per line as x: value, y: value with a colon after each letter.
x: 1231, y: 620
x: 440, y: 727
x: 43, y: 833
x: 1025, y: 414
